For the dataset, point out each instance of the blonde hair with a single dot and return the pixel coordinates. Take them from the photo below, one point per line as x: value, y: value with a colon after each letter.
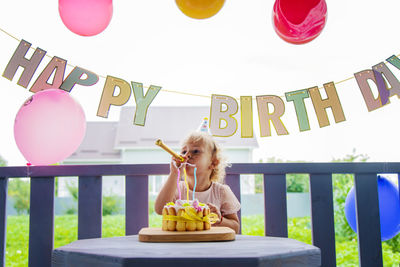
x: 217, y: 157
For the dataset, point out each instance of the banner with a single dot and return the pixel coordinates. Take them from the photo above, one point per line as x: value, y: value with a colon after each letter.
x: 224, y: 109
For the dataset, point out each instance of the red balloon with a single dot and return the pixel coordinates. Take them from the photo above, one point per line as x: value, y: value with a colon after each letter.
x: 299, y: 22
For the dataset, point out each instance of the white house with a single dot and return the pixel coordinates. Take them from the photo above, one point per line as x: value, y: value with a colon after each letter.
x: 123, y: 142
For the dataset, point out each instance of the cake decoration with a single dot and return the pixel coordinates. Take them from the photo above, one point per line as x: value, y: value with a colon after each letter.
x: 187, y: 215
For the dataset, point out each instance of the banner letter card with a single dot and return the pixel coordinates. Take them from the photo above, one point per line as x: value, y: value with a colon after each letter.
x: 222, y: 120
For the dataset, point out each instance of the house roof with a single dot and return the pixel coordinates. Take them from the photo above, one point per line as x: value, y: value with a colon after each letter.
x: 98, y: 143
x: 106, y: 140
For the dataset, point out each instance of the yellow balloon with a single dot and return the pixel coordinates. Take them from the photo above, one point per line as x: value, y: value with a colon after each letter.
x: 200, y: 9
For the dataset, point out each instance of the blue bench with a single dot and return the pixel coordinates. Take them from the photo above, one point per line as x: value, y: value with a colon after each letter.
x: 41, y: 227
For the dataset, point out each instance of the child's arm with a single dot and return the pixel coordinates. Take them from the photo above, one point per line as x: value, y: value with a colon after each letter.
x: 167, y: 192
x: 228, y: 220
x: 231, y: 221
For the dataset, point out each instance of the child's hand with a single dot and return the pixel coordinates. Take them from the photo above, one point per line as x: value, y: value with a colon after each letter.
x: 175, y: 164
x: 215, y: 210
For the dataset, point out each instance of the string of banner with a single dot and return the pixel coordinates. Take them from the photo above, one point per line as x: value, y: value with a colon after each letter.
x: 223, y: 109
x: 165, y: 90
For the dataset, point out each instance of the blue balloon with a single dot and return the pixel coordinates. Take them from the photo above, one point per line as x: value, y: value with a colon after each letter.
x: 389, y: 208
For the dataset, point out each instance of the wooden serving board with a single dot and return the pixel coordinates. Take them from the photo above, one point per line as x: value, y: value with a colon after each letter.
x: 214, y: 234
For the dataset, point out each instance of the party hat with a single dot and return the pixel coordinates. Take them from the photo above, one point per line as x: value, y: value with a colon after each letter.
x: 204, y: 126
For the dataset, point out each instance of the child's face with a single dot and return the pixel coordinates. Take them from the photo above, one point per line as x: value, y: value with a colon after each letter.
x: 198, y: 154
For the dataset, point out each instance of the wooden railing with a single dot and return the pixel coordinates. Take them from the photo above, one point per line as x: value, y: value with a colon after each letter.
x: 41, y: 226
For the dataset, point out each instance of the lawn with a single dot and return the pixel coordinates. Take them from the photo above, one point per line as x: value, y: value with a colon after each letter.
x: 113, y: 225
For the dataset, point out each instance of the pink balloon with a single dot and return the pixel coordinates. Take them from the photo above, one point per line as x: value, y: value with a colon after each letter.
x: 86, y: 17
x: 49, y: 127
x: 299, y: 22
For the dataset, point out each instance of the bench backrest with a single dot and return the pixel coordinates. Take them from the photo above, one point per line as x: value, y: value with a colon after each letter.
x: 41, y: 227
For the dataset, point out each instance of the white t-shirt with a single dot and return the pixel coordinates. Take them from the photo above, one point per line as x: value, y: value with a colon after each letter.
x: 218, y: 194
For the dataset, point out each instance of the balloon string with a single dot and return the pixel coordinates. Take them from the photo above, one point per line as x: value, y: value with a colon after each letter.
x: 195, y: 182
x: 186, y: 182
x: 177, y: 184
x: 187, y: 185
x: 28, y: 171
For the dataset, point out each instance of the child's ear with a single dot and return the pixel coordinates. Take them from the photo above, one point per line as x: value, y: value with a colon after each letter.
x: 214, y: 163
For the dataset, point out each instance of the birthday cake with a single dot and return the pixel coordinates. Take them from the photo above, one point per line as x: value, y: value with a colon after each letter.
x: 187, y: 215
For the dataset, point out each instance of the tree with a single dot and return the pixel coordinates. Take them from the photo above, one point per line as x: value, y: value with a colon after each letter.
x: 19, y: 189
x: 342, y: 183
x: 295, y: 182
x: 3, y: 162
x: 111, y: 204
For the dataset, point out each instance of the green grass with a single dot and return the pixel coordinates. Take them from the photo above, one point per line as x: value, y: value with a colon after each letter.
x: 66, y: 232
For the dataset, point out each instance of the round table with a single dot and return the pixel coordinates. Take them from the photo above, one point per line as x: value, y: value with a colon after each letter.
x: 243, y: 251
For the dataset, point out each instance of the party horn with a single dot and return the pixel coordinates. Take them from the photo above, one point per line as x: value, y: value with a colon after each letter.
x: 169, y: 150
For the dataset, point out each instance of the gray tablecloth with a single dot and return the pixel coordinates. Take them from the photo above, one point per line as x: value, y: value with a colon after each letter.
x: 244, y: 251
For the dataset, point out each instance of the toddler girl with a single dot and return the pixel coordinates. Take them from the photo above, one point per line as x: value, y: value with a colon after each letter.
x: 201, y: 151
